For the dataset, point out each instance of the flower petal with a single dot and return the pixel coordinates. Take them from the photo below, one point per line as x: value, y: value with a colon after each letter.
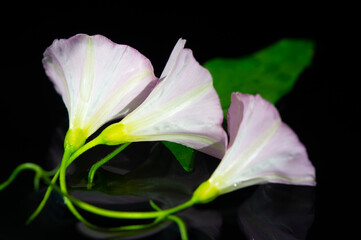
x: 262, y: 148
x: 184, y: 108
x: 97, y: 79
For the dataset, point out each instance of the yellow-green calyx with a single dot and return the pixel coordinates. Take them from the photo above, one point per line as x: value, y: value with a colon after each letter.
x: 205, y: 193
x: 74, y: 139
x: 114, y: 134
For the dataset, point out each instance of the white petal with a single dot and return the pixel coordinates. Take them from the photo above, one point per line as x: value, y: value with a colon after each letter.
x: 97, y: 78
x: 183, y: 108
x: 263, y: 149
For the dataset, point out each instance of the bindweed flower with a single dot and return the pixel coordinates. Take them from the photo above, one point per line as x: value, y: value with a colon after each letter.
x: 98, y: 81
x: 183, y: 108
x: 262, y: 149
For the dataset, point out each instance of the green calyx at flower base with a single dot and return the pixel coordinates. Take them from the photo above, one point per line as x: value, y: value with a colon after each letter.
x: 101, y: 81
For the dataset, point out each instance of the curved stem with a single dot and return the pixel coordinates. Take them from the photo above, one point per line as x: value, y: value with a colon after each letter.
x: 131, y: 215
x: 68, y: 158
x: 42, y: 174
x: 91, y: 208
x: 181, y: 225
x: 45, y: 199
x: 80, y: 151
x: 100, y: 163
x: 66, y: 161
x: 94, y: 142
x: 124, y: 215
x: 62, y: 174
x: 159, y: 215
x: 17, y: 170
x: 63, y: 188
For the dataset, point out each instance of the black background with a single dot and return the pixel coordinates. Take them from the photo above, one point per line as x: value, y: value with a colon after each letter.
x: 31, y: 109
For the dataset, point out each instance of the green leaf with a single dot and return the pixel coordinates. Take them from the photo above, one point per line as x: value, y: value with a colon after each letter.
x: 270, y: 72
x: 183, y: 154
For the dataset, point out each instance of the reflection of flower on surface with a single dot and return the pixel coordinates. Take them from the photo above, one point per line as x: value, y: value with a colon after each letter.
x: 262, y: 149
x: 276, y: 211
x: 183, y: 108
x: 97, y: 79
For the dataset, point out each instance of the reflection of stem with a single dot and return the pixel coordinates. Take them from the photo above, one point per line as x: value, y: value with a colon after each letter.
x: 91, y: 208
x: 67, y: 160
x: 159, y: 215
x: 68, y: 157
x: 44, y: 175
x: 100, y: 163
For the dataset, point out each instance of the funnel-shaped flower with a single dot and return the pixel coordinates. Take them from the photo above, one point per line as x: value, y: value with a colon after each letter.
x: 262, y: 149
x: 97, y: 79
x: 183, y: 108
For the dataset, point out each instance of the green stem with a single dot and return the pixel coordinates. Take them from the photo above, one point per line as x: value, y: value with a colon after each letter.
x: 66, y: 161
x: 181, y: 225
x: 100, y: 163
x: 80, y: 151
x: 17, y: 170
x: 63, y: 188
x: 68, y: 158
x: 132, y: 215
x: 44, y: 175
x: 45, y: 199
x: 96, y: 141
x: 159, y: 215
x: 91, y: 208
x: 62, y: 174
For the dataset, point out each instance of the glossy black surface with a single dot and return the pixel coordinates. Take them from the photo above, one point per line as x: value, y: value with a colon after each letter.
x: 32, y: 113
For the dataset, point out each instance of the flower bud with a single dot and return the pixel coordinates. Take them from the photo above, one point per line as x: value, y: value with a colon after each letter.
x: 205, y: 193
x: 74, y: 139
x: 114, y: 134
